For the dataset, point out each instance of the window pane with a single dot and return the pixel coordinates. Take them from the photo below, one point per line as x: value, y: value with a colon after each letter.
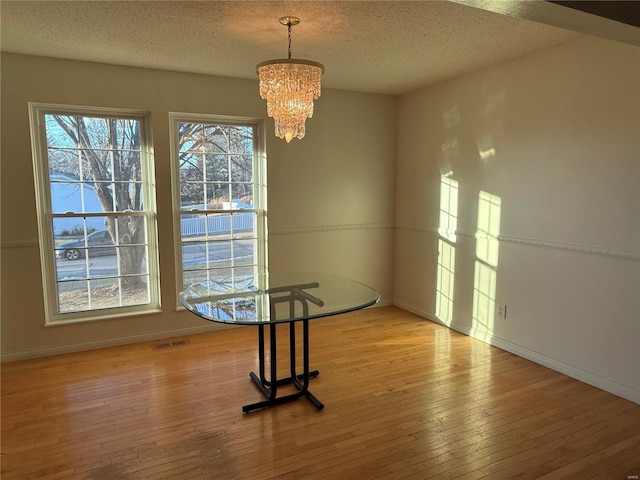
x: 95, y: 165
x: 218, y: 224
x: 132, y: 259
x: 194, y: 276
x: 105, y: 266
x: 95, y: 131
x: 221, y: 272
x: 66, y: 197
x: 243, y: 224
x: 241, y: 168
x: 247, y: 272
x: 197, y: 255
x: 67, y: 270
x: 220, y: 196
x: 57, y: 136
x: 137, y: 293
x: 104, y: 293
x: 216, y: 138
x: 99, y: 197
x: 192, y: 196
x: 67, y: 229
x: 194, y: 255
x: 73, y: 296
x: 241, y: 139
x: 190, y: 166
x: 217, y: 168
x: 219, y: 252
x: 131, y: 159
x: 127, y: 134
x: 244, y: 252
x: 63, y: 160
x: 242, y: 194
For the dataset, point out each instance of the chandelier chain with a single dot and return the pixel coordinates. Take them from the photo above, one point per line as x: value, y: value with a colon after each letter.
x: 289, y: 30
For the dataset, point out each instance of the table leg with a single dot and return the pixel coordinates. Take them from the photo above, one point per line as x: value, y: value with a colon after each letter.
x: 300, y: 381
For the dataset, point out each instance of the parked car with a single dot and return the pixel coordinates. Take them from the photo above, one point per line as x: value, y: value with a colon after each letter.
x: 99, y: 243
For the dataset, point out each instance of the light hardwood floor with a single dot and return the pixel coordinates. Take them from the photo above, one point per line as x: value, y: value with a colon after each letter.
x: 405, y: 398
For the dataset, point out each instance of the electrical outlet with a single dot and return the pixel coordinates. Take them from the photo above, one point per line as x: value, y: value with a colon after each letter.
x: 502, y: 311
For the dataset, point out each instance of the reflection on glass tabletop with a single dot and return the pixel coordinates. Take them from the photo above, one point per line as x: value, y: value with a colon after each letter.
x: 275, y: 297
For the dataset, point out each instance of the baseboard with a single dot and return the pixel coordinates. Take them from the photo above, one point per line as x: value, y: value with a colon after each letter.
x: 113, y: 342
x: 536, y: 357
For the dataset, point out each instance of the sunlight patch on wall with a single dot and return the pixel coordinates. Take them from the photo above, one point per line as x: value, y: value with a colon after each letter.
x: 485, y: 148
x: 451, y: 117
x: 484, y: 291
x: 448, y: 223
x: 446, y: 280
x: 489, y: 208
x: 451, y: 147
x: 486, y: 265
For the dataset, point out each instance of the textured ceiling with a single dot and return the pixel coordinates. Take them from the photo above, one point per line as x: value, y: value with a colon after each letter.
x: 373, y: 46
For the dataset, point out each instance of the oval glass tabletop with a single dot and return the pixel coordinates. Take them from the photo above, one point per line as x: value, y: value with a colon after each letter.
x: 275, y: 297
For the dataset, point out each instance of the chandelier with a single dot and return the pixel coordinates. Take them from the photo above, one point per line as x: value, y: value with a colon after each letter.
x: 289, y: 86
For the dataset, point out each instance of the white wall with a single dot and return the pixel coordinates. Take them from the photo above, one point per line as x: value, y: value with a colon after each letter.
x: 555, y: 135
x: 330, y: 194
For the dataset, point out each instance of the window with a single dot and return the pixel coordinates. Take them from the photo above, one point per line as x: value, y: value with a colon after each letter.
x: 219, y: 172
x: 96, y: 212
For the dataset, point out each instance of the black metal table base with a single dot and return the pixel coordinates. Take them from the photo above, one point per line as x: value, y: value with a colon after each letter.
x: 269, y: 387
x: 267, y: 392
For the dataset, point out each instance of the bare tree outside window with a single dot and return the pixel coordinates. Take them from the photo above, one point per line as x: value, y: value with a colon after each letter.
x: 95, y: 172
x: 217, y: 168
x: 107, y: 155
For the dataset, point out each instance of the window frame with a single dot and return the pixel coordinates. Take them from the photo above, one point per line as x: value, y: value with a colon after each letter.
x: 259, y: 185
x: 45, y: 215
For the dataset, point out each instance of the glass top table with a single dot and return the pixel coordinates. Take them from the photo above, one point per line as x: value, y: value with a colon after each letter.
x: 267, y: 300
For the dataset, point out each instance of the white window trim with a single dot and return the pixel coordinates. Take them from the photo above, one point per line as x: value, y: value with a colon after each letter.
x: 260, y: 184
x: 37, y: 111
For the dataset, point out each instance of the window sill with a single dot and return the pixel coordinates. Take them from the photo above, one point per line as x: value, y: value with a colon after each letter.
x: 106, y: 316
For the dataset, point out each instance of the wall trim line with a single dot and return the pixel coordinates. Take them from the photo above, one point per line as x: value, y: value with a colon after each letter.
x: 272, y: 231
x: 535, y: 242
x: 512, y: 239
x: 20, y: 244
x: 329, y: 228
